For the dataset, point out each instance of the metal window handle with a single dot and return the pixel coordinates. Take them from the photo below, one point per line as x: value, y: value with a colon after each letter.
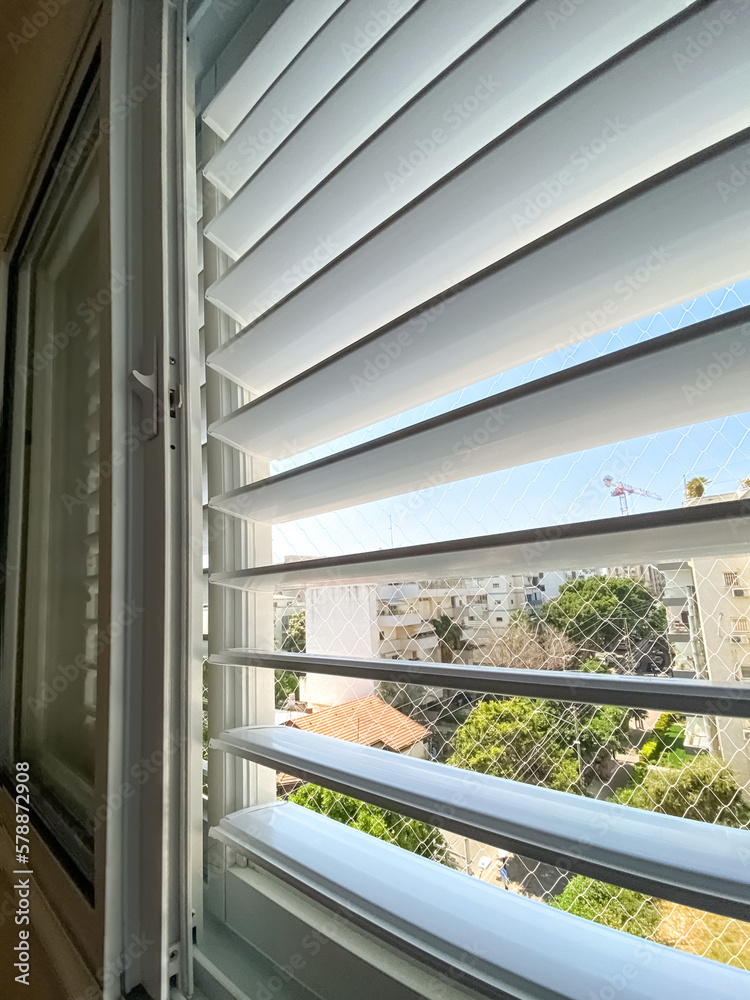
x: 146, y: 386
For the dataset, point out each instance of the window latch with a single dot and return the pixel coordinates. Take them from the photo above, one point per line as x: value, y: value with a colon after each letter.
x: 146, y: 386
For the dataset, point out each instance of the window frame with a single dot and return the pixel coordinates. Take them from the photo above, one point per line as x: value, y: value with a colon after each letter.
x: 79, y: 906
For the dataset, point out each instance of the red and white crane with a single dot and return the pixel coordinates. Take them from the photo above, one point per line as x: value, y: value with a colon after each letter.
x: 621, y: 491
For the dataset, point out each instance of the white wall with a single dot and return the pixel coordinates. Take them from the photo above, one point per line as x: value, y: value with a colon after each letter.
x: 724, y: 658
x: 340, y: 621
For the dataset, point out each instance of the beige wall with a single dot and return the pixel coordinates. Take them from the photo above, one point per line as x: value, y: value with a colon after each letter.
x: 36, y: 54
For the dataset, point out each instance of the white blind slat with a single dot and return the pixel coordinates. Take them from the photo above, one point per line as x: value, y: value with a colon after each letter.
x: 408, y: 59
x: 511, y: 945
x: 564, y: 162
x: 667, y: 536
x: 681, y: 859
x: 592, y: 406
x: 330, y: 55
x: 674, y: 241
x: 514, y: 71
x: 285, y: 37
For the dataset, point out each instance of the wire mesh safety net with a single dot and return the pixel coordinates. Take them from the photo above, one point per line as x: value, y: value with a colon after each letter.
x: 477, y: 334
x: 687, y: 619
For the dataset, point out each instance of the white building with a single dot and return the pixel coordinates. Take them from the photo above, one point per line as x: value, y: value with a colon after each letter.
x: 393, y: 621
x: 340, y: 621
x: 708, y: 609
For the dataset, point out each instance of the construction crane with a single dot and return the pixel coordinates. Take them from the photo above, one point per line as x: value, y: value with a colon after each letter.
x: 621, y: 491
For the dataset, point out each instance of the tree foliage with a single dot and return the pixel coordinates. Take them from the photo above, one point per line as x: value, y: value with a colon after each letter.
x: 599, y: 611
x: 696, y: 487
x: 531, y: 643
x: 450, y: 634
x: 286, y: 683
x: 405, y: 697
x: 535, y: 741
x: 622, y: 909
x: 295, y: 638
x: 411, y: 834
x: 704, y: 788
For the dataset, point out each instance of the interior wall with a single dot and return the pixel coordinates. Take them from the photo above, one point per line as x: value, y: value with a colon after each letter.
x: 38, y: 42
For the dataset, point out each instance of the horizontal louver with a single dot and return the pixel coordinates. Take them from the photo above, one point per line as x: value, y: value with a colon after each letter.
x: 565, y: 685
x: 592, y: 404
x: 284, y: 38
x: 678, y: 859
x: 664, y: 537
x: 413, y: 198
x: 476, y: 936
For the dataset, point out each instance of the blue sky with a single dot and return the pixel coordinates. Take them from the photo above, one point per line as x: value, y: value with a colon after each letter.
x: 562, y: 489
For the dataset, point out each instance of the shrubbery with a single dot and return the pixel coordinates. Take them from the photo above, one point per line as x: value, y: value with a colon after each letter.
x: 623, y: 909
x: 703, y: 788
x: 411, y: 834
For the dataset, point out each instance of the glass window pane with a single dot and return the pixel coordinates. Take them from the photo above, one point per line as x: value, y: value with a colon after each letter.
x: 59, y: 614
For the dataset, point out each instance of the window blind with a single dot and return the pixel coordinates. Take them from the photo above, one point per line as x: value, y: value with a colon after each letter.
x: 470, y: 188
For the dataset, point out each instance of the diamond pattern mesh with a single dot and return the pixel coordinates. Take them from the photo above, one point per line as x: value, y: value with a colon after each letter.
x: 687, y: 619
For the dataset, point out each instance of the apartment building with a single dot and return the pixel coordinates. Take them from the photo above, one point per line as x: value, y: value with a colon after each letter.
x: 394, y: 621
x: 708, y: 609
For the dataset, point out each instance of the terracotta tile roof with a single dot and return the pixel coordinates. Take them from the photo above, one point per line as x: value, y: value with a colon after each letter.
x: 368, y: 721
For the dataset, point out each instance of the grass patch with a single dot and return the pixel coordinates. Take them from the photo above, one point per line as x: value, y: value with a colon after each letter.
x: 667, y: 747
x: 719, y: 938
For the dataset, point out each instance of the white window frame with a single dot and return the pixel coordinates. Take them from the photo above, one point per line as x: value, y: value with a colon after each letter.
x: 68, y: 918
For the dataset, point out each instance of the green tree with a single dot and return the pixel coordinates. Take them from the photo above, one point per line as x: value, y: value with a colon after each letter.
x: 286, y: 683
x: 599, y: 732
x: 696, y: 487
x: 594, y: 666
x: 295, y: 638
x: 535, y: 741
x: 515, y: 738
x: 704, y: 788
x: 450, y: 634
x: 597, y: 612
x: 411, y: 834
x: 623, y: 909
